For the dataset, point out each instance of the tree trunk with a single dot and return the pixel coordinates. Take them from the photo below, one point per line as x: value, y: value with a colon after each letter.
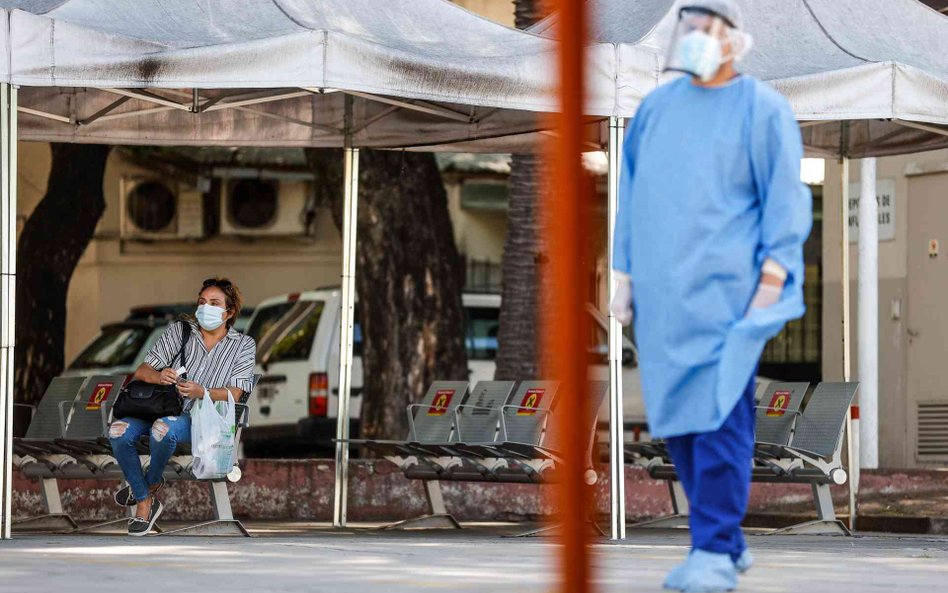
x: 518, y: 337
x: 53, y: 239
x: 408, y: 278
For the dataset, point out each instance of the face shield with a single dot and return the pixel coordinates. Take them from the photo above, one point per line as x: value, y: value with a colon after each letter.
x: 702, y: 42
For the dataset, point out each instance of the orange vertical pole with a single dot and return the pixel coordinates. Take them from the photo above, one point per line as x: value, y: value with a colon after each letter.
x: 563, y: 323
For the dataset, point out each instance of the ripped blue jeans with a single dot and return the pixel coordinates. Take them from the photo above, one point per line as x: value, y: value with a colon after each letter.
x: 165, y: 434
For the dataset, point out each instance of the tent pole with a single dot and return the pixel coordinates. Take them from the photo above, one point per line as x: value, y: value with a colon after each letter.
x: 8, y: 168
x: 616, y: 416
x: 868, y: 317
x: 847, y: 363
x: 346, y: 318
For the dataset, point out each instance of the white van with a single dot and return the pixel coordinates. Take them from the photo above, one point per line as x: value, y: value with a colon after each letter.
x: 295, y: 403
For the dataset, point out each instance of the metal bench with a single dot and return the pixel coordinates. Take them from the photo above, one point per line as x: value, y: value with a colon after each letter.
x: 72, y: 444
x: 488, y: 436
x: 791, y: 447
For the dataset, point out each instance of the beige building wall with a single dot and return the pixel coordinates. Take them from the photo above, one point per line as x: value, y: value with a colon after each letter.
x: 114, y: 275
x: 501, y: 11
x: 479, y: 234
x: 896, y: 449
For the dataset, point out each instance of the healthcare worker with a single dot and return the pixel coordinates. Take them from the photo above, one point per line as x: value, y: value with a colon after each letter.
x: 709, y: 254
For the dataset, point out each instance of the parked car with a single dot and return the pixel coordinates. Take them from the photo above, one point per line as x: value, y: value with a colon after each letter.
x: 296, y: 400
x: 120, y: 347
x: 176, y: 310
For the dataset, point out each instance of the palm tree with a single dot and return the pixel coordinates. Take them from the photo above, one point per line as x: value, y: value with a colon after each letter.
x: 517, y: 356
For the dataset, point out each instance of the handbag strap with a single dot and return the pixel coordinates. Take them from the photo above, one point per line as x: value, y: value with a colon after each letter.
x: 185, y: 336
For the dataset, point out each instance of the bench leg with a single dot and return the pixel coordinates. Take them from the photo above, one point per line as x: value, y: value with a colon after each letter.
x: 55, y: 519
x: 556, y: 530
x: 826, y: 522
x: 680, y: 510
x: 223, y: 523
x: 438, y: 518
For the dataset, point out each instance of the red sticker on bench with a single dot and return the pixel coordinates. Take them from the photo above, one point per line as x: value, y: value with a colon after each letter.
x: 99, y: 395
x: 531, y: 401
x: 441, y: 402
x: 779, y: 403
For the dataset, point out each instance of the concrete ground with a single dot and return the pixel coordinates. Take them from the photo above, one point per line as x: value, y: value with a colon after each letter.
x: 297, y: 557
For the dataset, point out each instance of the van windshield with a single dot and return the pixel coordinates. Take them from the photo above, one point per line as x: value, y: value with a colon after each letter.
x: 116, y: 346
x: 285, y: 331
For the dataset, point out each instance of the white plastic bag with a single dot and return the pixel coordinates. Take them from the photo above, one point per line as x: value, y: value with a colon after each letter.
x: 213, y: 429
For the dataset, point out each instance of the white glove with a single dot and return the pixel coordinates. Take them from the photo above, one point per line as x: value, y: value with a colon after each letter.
x: 768, y: 295
x: 621, y: 305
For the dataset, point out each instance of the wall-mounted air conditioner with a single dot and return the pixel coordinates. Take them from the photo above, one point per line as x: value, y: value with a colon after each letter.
x: 153, y: 208
x: 263, y: 206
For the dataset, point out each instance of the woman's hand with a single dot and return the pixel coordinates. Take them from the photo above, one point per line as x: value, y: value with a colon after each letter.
x: 167, y: 377
x: 191, y: 390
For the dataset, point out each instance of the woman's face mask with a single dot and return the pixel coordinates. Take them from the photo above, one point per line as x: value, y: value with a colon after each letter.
x: 210, y: 317
x: 700, y: 54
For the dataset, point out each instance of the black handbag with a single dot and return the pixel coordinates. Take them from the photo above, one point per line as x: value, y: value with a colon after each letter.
x: 149, y: 402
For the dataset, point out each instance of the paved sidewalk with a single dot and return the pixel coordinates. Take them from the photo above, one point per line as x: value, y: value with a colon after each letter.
x: 471, y: 560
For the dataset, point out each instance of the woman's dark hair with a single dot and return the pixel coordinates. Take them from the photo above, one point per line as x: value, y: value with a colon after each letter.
x: 232, y: 296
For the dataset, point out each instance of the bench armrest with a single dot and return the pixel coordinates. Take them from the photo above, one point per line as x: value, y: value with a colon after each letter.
x: 503, y: 421
x: 244, y: 421
x: 411, y: 418
x: 30, y: 406
x: 62, y: 417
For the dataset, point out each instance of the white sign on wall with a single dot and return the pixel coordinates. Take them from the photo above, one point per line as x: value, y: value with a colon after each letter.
x: 885, y: 198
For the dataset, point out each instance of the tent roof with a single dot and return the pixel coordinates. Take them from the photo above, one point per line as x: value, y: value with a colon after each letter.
x: 426, y: 73
x: 834, y: 59
x: 268, y: 72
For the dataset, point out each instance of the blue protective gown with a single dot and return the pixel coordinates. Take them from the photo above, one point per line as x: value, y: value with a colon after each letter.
x: 710, y: 188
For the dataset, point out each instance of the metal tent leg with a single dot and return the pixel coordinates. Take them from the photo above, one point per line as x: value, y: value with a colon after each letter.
x: 438, y: 518
x: 55, y: 519
x: 8, y: 168
x: 223, y: 523
x: 556, y: 530
x: 347, y: 305
x: 616, y: 408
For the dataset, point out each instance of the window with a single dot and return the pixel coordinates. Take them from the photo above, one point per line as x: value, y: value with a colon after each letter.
x: 481, y: 335
x: 795, y: 354
x: 484, y: 194
x: 115, y: 346
x: 285, y: 331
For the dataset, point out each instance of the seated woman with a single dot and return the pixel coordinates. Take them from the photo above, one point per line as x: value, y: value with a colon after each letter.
x: 218, y: 358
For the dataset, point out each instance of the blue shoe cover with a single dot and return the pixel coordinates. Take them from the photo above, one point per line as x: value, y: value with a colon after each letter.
x: 674, y: 579
x: 707, y: 572
x: 744, y: 562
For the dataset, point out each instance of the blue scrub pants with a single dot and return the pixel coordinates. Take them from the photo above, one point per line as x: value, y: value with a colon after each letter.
x: 715, y: 471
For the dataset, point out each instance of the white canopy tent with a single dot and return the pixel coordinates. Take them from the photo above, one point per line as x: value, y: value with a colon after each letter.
x: 347, y: 73
x: 425, y: 74
x: 865, y: 78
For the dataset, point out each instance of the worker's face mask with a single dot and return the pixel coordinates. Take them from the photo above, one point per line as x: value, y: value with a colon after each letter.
x: 703, y: 42
x: 699, y: 54
x: 209, y: 316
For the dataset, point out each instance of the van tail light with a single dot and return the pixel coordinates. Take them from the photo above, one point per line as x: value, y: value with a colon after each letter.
x: 318, y: 394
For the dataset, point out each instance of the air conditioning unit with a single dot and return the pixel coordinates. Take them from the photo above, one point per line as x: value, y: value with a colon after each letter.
x: 154, y: 208
x: 263, y: 206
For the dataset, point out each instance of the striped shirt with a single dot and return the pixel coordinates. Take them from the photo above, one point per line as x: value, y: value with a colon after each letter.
x: 230, y: 363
